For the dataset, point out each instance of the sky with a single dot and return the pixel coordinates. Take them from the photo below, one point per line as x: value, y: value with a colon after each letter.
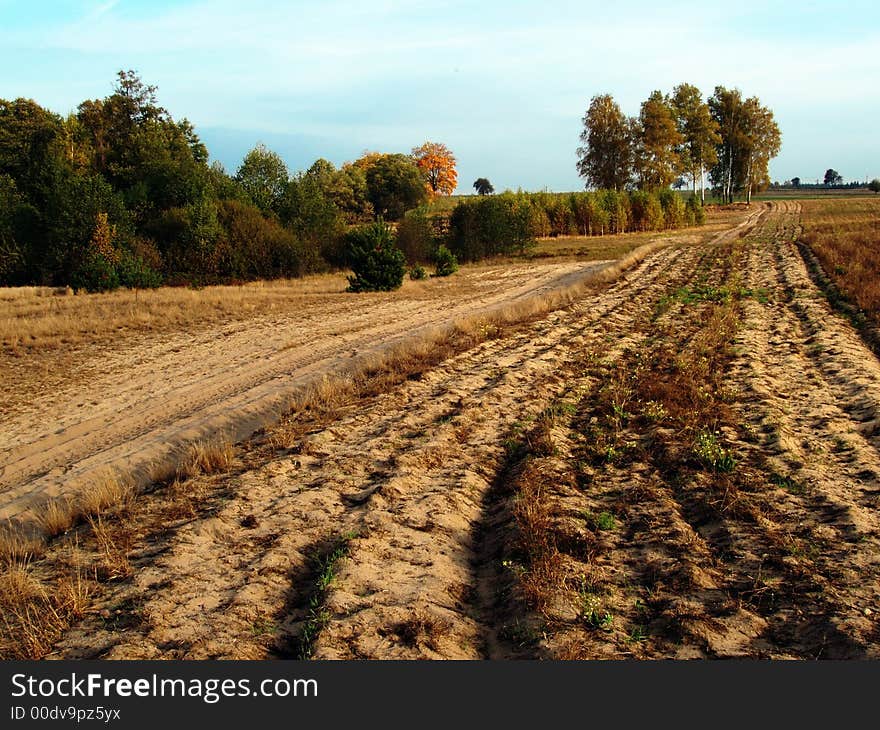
x: 503, y: 84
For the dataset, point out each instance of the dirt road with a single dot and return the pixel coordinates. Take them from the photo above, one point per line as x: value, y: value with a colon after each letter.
x: 135, y: 403
x: 398, y: 484
x: 695, y: 449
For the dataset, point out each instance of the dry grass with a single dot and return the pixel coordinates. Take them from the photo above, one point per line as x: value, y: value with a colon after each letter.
x: 18, y: 546
x: 113, y: 543
x: 35, y: 613
x: 107, y: 493
x: 844, y: 234
x: 206, y: 457
x: 58, y: 516
x: 39, y: 317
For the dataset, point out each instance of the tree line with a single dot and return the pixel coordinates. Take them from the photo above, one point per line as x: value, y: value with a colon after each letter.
x: 120, y: 193
x: 730, y: 137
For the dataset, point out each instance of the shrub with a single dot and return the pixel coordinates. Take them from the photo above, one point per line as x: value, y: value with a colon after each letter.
x: 646, y: 212
x: 674, y: 212
x: 253, y: 246
x: 377, y: 263
x: 445, y: 262
x: 418, y: 272
x: 134, y: 273
x: 94, y: 274
x: 415, y: 236
x: 616, y: 206
x: 492, y: 225
x: 696, y: 214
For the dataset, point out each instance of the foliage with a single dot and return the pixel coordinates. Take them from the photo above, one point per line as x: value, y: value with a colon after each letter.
x: 483, y: 186
x: 657, y: 162
x: 675, y: 214
x: 491, y: 225
x: 377, y: 263
x: 437, y: 164
x: 417, y: 272
x: 395, y: 185
x: 646, y: 211
x: 605, y: 157
x: 253, y: 246
x: 699, y: 133
x: 445, y: 263
x: 263, y: 176
x: 832, y: 177
x: 874, y: 185
x: 695, y: 214
x: 415, y: 236
x: 311, y: 216
x: 750, y: 138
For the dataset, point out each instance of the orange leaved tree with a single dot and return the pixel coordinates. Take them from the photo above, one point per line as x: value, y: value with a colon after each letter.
x: 437, y: 164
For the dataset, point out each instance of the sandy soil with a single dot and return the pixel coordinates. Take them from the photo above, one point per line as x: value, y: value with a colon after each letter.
x: 403, y: 476
x: 135, y: 403
x: 380, y: 532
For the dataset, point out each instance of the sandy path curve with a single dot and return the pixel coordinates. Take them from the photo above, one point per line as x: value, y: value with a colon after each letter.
x: 146, y: 399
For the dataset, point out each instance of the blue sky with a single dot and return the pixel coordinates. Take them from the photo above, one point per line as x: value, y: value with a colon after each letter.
x: 503, y: 84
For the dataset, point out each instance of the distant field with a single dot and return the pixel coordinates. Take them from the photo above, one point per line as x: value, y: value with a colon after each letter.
x: 812, y: 193
x: 845, y: 236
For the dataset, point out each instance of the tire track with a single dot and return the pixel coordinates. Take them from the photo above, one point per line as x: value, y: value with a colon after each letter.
x: 407, y: 473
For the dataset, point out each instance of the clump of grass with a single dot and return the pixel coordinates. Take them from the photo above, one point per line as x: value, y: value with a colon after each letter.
x: 34, y: 614
x: 108, y: 492
x: 113, y: 542
x: 600, y: 522
x: 206, y: 457
x: 327, y: 564
x: 711, y: 453
x: 18, y: 546
x: 58, y: 516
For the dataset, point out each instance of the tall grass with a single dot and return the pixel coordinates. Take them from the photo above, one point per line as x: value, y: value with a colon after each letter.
x: 844, y: 234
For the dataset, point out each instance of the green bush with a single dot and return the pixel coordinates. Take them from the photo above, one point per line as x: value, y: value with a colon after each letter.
x: 674, y: 212
x: 445, y: 263
x: 696, y: 214
x: 418, y: 272
x: 377, y: 263
x: 94, y: 274
x: 415, y: 236
x: 495, y: 224
x: 134, y: 273
x: 646, y: 211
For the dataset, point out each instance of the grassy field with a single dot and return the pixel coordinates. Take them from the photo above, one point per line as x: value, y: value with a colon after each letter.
x: 845, y: 236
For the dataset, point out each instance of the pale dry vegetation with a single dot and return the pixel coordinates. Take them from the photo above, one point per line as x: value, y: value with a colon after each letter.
x: 43, y: 317
x: 844, y: 234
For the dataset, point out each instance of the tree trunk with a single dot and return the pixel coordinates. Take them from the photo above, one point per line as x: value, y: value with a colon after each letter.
x: 749, y: 182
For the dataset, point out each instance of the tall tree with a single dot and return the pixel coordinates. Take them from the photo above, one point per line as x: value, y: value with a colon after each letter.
x: 437, y: 164
x: 762, y: 140
x: 699, y: 132
x: 264, y: 177
x: 483, y: 186
x: 395, y: 185
x: 605, y: 157
x: 657, y: 160
x: 727, y: 108
x: 832, y: 177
